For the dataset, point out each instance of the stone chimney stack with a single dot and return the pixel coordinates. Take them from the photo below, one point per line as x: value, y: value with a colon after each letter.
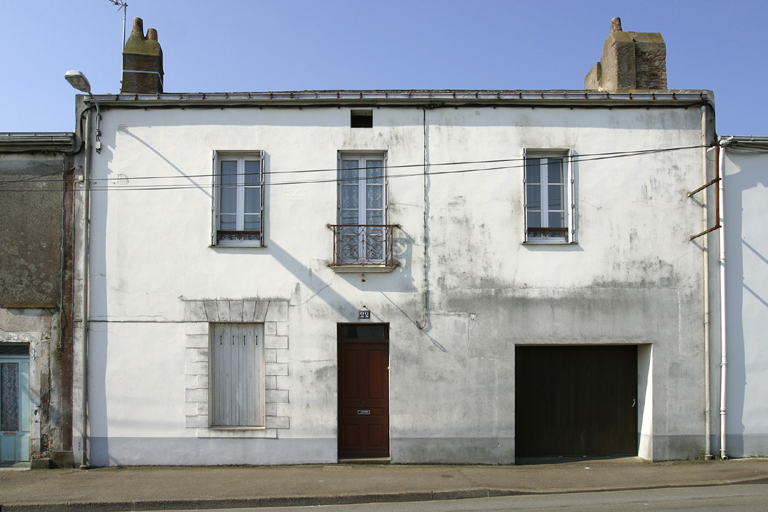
x: 630, y: 61
x: 142, y: 61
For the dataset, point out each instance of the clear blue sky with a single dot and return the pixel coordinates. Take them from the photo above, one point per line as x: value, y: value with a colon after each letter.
x: 254, y: 45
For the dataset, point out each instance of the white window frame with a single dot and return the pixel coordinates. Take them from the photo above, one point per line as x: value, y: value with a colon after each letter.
x: 568, y: 190
x: 362, y: 157
x: 239, y: 237
x: 229, y: 397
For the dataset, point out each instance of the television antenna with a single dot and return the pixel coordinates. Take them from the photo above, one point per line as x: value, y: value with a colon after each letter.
x: 124, y: 6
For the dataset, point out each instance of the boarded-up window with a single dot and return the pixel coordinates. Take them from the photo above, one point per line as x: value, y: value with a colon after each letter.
x: 237, y: 375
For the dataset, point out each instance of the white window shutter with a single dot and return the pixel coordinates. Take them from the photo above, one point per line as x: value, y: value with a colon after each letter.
x: 525, y: 200
x: 386, y: 189
x: 214, y: 199
x: 238, y: 376
x: 338, y: 186
x: 571, y: 212
x: 262, y: 181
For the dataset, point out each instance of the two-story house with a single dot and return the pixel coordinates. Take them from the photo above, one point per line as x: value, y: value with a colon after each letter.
x: 464, y: 276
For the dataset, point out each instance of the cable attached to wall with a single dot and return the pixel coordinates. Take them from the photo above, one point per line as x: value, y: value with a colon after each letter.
x: 426, y: 320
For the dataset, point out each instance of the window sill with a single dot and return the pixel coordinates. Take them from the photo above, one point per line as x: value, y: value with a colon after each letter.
x: 238, y: 239
x: 237, y: 428
x: 238, y: 246
x: 545, y: 241
x: 237, y: 432
x: 362, y: 269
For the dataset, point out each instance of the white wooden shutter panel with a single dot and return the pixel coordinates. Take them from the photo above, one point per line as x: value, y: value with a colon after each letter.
x: 525, y: 197
x: 571, y: 203
x: 262, y: 182
x: 238, y: 380
x: 214, y: 199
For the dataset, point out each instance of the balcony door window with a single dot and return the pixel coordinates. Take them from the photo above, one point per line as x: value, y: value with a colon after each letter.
x: 362, y: 208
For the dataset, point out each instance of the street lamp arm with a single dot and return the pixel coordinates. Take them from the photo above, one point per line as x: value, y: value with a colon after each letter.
x: 79, y: 81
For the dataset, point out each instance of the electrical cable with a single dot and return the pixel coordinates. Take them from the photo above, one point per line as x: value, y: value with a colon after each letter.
x: 519, y: 163
x: 582, y: 157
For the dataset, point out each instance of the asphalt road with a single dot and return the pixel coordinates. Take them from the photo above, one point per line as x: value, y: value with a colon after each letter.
x: 728, y: 498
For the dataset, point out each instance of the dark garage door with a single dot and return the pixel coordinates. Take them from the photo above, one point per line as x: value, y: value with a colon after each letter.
x: 574, y: 401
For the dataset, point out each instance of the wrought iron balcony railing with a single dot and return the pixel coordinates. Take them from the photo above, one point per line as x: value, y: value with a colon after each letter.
x: 363, y: 244
x: 547, y: 232
x: 237, y: 235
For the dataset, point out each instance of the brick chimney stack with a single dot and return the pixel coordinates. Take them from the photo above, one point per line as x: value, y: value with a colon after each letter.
x: 142, y: 61
x: 630, y: 61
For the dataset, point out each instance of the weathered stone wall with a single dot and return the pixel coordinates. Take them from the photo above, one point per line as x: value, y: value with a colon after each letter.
x: 650, y: 61
x: 630, y: 61
x: 35, y: 282
x: 30, y: 233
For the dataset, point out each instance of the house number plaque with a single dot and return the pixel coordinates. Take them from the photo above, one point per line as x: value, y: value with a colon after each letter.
x: 362, y: 313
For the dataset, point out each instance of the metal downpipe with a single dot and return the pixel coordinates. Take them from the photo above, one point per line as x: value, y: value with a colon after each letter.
x: 707, y: 308
x: 85, y: 292
x: 723, y: 344
x: 426, y: 319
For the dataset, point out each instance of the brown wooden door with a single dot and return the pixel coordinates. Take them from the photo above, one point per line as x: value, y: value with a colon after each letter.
x: 363, y: 391
x: 575, y: 401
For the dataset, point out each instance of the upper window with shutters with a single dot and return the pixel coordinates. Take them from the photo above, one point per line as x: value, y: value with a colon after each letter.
x: 362, y: 237
x: 238, y: 209
x: 549, y: 205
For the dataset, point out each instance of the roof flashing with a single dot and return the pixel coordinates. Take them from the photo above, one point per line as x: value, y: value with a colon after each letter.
x: 416, y: 97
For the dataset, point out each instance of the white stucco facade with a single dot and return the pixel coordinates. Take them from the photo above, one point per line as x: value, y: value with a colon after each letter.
x: 745, y: 182
x: 465, y: 293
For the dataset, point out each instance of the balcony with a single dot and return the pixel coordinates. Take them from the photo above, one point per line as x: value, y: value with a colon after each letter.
x: 363, y: 247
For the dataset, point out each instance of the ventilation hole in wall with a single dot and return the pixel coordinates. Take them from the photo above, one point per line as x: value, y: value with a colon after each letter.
x: 362, y: 119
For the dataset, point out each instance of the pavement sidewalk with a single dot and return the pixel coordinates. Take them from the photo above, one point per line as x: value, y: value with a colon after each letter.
x: 175, y: 488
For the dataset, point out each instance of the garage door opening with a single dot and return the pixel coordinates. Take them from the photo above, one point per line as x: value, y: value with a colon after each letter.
x: 576, y: 401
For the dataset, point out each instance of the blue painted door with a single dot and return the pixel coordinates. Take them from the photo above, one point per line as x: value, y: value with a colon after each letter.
x: 14, y: 408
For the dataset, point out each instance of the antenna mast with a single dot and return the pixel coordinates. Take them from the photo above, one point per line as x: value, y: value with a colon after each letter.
x: 124, y: 6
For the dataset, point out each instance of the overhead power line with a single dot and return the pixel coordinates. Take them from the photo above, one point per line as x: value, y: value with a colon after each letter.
x: 478, y: 166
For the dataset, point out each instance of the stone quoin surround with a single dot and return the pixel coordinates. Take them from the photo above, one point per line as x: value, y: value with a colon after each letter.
x: 200, y: 314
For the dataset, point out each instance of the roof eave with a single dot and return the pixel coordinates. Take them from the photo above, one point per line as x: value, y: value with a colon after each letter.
x: 418, y: 98
x: 37, y: 141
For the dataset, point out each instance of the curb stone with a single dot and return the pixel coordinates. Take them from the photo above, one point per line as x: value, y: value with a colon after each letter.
x: 343, y: 499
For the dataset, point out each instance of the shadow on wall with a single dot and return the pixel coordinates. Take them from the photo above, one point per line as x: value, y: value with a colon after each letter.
x: 96, y: 377
x: 124, y: 130
x: 319, y: 288
x: 741, y: 283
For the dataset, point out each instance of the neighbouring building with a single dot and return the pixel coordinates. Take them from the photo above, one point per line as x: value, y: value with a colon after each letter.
x: 36, y: 254
x: 744, y: 162
x: 466, y: 276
